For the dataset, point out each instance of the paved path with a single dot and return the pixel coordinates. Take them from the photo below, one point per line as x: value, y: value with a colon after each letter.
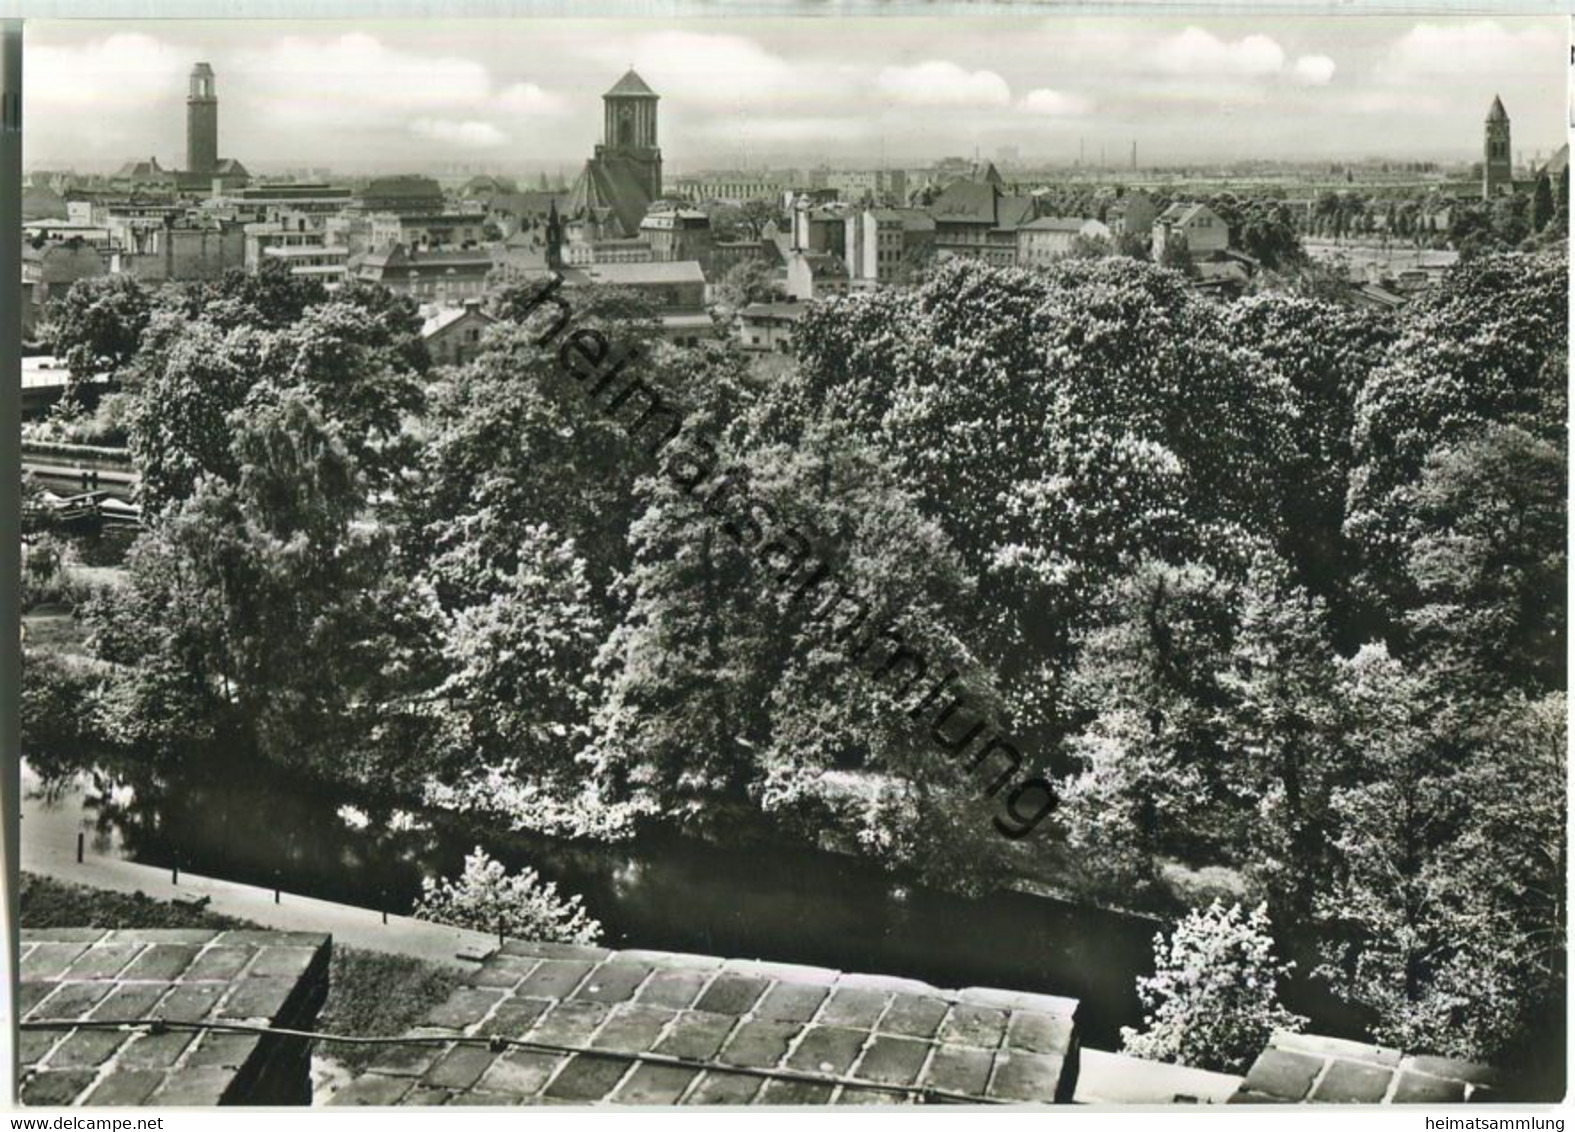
x: 350, y: 926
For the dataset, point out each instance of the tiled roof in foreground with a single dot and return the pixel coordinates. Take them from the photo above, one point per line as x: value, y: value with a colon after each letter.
x: 721, y: 1032
x: 93, y: 975
x: 1306, y: 1068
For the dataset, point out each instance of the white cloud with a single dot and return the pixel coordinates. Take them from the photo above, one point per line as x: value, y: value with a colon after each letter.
x: 528, y: 98
x: 1433, y: 52
x: 942, y: 83
x: 1201, y: 54
x: 355, y: 81
x: 119, y: 69
x: 469, y: 135
x: 1055, y: 103
x: 718, y: 71
x: 1314, y: 70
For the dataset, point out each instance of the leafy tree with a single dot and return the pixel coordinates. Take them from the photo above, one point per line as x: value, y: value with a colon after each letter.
x: 272, y: 297
x: 1541, y: 203
x: 1382, y: 936
x: 98, y: 326
x: 1213, y: 999
x: 487, y: 898
x: 1177, y: 256
x: 1324, y: 354
x: 515, y: 663
x: 1446, y: 917
x: 1154, y: 753
x: 754, y: 215
x: 1500, y: 994
x: 186, y: 392
x: 1267, y: 233
x: 751, y: 280
x: 1284, y: 725
x: 265, y: 593
x: 1487, y: 347
x: 1488, y: 563
x: 193, y: 373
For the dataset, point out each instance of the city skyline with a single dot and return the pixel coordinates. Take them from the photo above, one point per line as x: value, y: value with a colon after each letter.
x: 526, y: 94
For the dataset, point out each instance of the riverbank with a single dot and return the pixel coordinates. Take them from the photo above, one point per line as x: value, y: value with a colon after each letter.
x: 361, y: 928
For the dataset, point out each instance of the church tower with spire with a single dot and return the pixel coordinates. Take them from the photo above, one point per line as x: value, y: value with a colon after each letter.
x: 1497, y: 171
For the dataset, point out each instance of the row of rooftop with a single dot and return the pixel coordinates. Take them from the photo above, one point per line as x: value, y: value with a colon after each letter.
x: 618, y: 222
x: 189, y: 1017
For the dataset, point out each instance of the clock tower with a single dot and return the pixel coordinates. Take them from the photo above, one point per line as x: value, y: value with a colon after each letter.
x: 629, y: 130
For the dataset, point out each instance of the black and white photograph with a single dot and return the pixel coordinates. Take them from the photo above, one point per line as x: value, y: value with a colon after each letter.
x: 802, y: 555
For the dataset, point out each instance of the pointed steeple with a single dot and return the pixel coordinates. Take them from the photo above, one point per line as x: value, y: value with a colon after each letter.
x: 1496, y: 112
x: 554, y: 236
x: 630, y: 86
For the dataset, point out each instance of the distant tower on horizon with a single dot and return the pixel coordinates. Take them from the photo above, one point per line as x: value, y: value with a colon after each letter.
x: 1497, y: 169
x: 202, y: 122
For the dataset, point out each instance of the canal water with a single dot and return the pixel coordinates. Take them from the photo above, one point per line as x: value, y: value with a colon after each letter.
x: 664, y: 892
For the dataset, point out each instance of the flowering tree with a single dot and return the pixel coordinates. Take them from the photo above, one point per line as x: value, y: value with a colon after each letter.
x: 485, y: 897
x: 1213, y: 1000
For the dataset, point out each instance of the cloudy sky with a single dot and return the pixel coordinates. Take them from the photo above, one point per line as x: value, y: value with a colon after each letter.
x: 525, y: 93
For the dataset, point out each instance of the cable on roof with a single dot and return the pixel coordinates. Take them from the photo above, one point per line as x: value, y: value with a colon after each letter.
x: 498, y: 1044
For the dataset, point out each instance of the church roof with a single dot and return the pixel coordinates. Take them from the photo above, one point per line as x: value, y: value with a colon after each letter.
x: 1496, y: 112
x: 1559, y: 162
x: 610, y: 185
x: 967, y: 201
x: 631, y: 86
x: 148, y: 168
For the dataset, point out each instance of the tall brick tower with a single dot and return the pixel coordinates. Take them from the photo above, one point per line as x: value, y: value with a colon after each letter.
x: 202, y: 122
x: 1497, y: 173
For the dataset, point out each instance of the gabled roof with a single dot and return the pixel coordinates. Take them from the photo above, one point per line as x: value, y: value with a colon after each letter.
x: 631, y: 86
x: 968, y: 202
x: 1013, y: 212
x: 610, y: 185
x: 444, y: 319
x: 148, y: 168
x: 911, y: 219
x: 1183, y: 213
